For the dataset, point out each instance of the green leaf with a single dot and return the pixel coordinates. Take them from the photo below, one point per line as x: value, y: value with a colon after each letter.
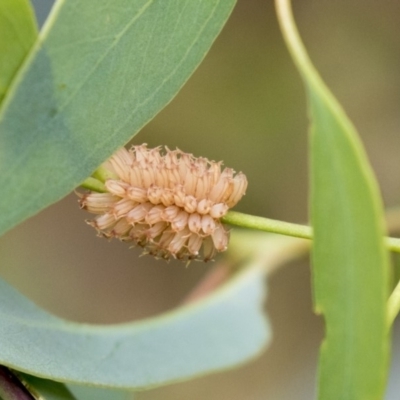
x: 18, y: 32
x: 226, y: 328
x: 99, y: 72
x: 350, y: 263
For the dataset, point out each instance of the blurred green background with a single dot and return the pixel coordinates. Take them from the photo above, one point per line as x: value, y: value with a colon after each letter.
x: 245, y: 105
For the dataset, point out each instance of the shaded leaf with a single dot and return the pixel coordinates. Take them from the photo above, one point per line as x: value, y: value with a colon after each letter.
x: 18, y: 32
x: 98, y: 74
x: 350, y: 263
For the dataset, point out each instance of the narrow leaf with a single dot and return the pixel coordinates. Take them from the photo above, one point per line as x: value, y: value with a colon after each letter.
x: 99, y: 73
x: 350, y: 264
x: 226, y: 328
x: 18, y: 32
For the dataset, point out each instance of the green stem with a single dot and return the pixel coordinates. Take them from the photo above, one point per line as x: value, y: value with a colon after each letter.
x: 94, y: 185
x: 285, y: 228
x: 267, y: 225
x: 394, y: 304
x: 295, y: 45
x: 102, y: 174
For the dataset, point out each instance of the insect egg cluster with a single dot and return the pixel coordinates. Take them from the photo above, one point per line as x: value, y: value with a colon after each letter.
x: 168, y: 202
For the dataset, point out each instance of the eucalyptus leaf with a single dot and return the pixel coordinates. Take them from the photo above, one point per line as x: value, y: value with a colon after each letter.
x: 18, y: 32
x: 350, y: 263
x: 98, y: 73
x: 225, y: 329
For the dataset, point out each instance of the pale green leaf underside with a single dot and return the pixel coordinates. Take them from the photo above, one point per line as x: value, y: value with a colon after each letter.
x: 225, y: 329
x: 18, y: 32
x: 100, y: 71
x: 350, y: 264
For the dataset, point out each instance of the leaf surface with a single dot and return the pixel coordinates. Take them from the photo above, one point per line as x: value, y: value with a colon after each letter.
x: 350, y: 262
x: 98, y: 73
x: 226, y: 328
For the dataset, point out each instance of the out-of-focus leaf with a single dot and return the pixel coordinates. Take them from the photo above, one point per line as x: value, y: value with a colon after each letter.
x: 350, y: 263
x: 18, y: 32
x: 225, y: 329
x: 99, y: 72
